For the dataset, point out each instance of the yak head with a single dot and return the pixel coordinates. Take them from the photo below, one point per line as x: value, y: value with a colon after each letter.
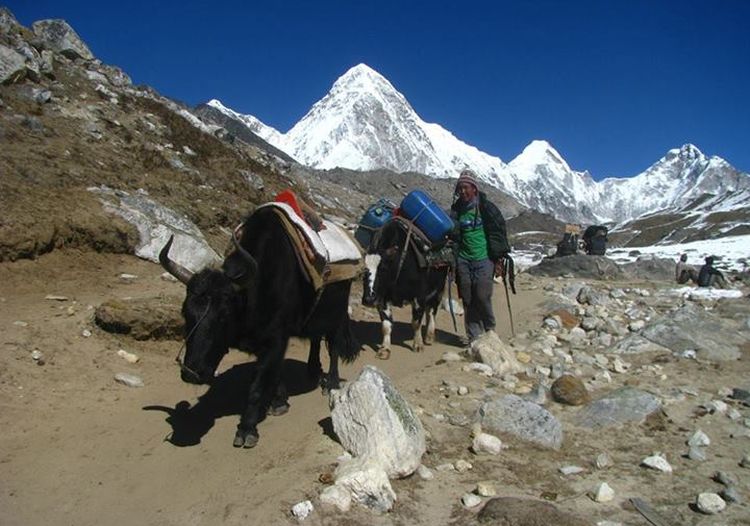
x: 213, y: 310
x: 379, y: 269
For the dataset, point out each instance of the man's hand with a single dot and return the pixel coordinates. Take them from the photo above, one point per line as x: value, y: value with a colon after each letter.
x: 499, y: 267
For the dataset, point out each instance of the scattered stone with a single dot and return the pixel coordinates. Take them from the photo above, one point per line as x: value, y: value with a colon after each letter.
x: 128, y: 379
x: 486, y: 489
x: 20, y: 324
x: 603, y: 493
x: 571, y: 470
x: 699, y: 439
x: 658, y: 463
x: 727, y: 479
x: 564, y: 318
x: 470, y: 500
x: 491, y: 350
x: 367, y: 482
x: 462, y: 466
x: 637, y: 325
x: 743, y: 395
x: 486, y: 443
x: 526, y: 420
x: 127, y: 356
x: 55, y: 297
x: 86, y: 333
x: 569, y: 390
x: 519, y: 511
x: 462, y: 390
x: 451, y: 356
x: 626, y: 404
x: 442, y: 468
x: 36, y: 355
x: 372, y: 420
x: 619, y: 366
x: 603, y: 461
x: 710, y: 503
x: 425, y: 473
x: 302, y: 509
x: 733, y: 414
x: 745, y: 462
x: 481, y: 368
x: 337, y: 497
x: 127, y: 278
x: 731, y: 495
x: 696, y: 453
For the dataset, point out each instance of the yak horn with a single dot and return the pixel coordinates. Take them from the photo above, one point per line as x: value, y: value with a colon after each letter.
x: 177, y: 270
x: 244, y: 253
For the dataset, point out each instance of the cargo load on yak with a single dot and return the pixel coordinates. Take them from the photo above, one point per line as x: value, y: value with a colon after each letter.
x: 569, y: 243
x: 377, y: 215
x: 595, y: 240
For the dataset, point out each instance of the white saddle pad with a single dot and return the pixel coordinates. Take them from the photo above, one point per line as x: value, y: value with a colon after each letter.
x: 331, y: 243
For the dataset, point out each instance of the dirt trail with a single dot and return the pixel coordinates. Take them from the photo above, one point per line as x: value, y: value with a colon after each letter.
x: 78, y: 448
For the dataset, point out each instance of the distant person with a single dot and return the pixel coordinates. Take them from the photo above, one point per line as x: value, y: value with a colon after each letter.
x: 482, y: 248
x: 684, y: 272
x: 711, y: 277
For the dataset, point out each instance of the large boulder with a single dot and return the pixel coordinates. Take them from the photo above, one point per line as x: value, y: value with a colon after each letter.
x: 155, y: 224
x: 523, y: 419
x: 650, y: 268
x: 624, y: 405
x: 580, y: 266
x: 693, y: 328
x: 12, y: 65
x: 373, y: 421
x: 58, y: 36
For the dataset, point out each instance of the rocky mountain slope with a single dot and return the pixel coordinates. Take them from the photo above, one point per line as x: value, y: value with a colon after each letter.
x: 364, y: 123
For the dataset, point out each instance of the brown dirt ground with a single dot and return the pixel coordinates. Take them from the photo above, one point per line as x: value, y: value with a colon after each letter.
x: 78, y: 448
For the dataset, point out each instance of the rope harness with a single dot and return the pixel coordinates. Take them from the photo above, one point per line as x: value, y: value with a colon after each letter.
x: 184, y: 367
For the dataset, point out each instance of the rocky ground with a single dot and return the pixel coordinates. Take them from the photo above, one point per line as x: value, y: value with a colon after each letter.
x: 79, y: 447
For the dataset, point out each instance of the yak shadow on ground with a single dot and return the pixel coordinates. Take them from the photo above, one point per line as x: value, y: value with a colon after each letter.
x: 226, y: 396
x: 369, y: 334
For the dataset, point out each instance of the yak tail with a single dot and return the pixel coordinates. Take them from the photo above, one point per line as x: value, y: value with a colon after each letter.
x: 345, y: 342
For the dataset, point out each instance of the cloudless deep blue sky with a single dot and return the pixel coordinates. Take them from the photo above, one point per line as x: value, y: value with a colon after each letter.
x: 612, y: 84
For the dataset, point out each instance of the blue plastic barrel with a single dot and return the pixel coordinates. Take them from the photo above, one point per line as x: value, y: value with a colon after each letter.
x: 419, y: 208
x: 376, y: 216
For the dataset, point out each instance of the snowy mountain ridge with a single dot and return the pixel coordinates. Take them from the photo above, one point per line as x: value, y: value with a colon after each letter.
x: 364, y: 123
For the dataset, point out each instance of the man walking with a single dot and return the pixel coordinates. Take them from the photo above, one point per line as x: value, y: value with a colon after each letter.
x: 482, y: 245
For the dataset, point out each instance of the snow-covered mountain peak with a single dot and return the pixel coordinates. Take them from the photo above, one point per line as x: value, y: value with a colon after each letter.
x: 266, y: 132
x: 686, y: 153
x: 536, y: 153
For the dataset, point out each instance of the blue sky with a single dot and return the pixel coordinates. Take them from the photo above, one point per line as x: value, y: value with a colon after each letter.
x: 611, y: 84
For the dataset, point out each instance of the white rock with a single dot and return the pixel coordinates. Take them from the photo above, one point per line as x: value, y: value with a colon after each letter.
x: 128, y: 277
x: 462, y: 466
x: 425, y: 473
x: 491, y: 350
x: 373, y: 420
x: 603, y: 493
x: 20, y: 323
x: 130, y: 380
x: 55, y: 297
x: 696, y: 453
x: 608, y: 523
x: 486, y: 443
x: 699, y: 438
x: 127, y: 356
x: 86, y: 333
x: 603, y: 461
x: 36, y: 355
x: 481, y: 368
x: 733, y: 414
x: 367, y: 482
x: 302, y: 509
x: 637, y: 325
x: 717, y: 406
x: 470, y: 500
x: 451, y: 356
x: 658, y: 463
x: 337, y: 496
x: 486, y: 489
x: 462, y: 390
x: 710, y: 503
x: 442, y: 468
x: 571, y: 470
x: 619, y: 366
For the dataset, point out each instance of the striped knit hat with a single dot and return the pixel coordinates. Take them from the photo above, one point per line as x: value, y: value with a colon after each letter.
x: 467, y: 176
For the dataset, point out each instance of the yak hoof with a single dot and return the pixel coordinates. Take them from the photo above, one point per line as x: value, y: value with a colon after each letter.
x: 429, y: 341
x: 327, y: 385
x: 278, y: 410
x: 245, y: 439
x: 383, y: 354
